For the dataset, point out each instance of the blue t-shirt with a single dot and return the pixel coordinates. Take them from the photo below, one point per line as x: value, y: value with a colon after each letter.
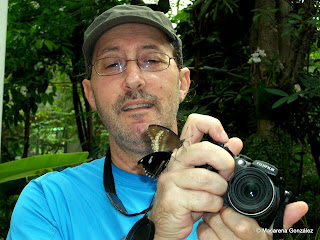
x: 73, y: 204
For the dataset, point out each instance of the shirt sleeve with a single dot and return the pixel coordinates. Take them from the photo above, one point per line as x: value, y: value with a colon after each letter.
x: 32, y: 218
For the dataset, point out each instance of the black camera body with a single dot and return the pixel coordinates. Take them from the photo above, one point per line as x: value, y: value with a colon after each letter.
x: 255, y: 190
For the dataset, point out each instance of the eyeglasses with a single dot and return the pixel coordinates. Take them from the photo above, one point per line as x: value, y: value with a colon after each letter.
x: 150, y: 62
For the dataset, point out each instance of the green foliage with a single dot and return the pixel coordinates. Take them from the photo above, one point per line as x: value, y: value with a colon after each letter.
x: 263, y: 13
x: 311, y: 195
x: 304, y: 236
x: 301, y: 114
x: 27, y: 167
x: 212, y: 8
x: 224, y: 100
x: 44, y: 42
x: 296, y: 21
x: 286, y: 97
x: 278, y: 151
x: 312, y: 89
x: 27, y: 72
x: 218, y: 63
x: 7, y: 204
x: 31, y: 166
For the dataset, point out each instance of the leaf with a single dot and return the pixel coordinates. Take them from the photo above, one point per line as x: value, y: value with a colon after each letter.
x: 293, y: 21
x: 44, y: 99
x: 279, y: 102
x: 204, y: 8
x: 39, y: 43
x: 27, y: 167
x: 299, y: 236
x: 256, y: 17
x: 290, y: 237
x: 50, y: 99
x: 277, y: 92
x: 196, y: 3
x: 296, y: 16
x: 257, y: 10
x: 50, y: 45
x: 318, y: 234
x: 293, y: 97
x: 228, y: 6
x: 289, y: 30
x: 215, y: 12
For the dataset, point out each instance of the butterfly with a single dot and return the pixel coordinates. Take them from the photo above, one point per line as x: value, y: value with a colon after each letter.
x: 163, y: 142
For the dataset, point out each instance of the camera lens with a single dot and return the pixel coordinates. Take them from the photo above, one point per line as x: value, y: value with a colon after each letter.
x: 251, y: 192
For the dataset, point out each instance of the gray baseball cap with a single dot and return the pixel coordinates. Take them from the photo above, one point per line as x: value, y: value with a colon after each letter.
x: 122, y: 14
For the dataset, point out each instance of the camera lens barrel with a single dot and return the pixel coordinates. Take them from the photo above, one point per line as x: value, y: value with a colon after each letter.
x: 255, y: 190
x: 251, y: 192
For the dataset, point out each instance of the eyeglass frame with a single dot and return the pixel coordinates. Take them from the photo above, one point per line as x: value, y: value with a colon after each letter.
x: 130, y: 60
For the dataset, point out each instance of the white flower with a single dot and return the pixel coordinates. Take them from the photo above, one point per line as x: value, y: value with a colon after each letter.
x: 262, y: 53
x: 257, y: 55
x: 297, y: 87
x: 256, y: 59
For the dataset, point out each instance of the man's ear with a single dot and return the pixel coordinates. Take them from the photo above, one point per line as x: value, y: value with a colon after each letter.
x: 89, y: 94
x: 184, y: 78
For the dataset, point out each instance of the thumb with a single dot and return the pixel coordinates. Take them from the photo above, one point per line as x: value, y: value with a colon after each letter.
x: 293, y: 213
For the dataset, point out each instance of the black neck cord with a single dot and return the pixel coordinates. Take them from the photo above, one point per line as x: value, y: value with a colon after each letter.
x: 108, y: 182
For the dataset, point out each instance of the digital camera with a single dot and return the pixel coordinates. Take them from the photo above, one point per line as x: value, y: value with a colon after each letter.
x: 255, y: 190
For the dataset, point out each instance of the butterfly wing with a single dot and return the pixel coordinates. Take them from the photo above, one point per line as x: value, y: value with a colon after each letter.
x: 155, y: 163
x: 163, y: 142
x: 163, y: 139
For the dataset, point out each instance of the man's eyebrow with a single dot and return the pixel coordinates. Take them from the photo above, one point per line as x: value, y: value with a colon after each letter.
x: 151, y: 46
x: 117, y: 48
x: 109, y: 49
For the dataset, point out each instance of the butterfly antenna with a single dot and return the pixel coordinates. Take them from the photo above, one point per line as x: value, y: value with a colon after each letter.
x: 185, y: 140
x: 174, y: 154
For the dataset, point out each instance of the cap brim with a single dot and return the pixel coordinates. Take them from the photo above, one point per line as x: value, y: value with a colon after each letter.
x: 96, y: 33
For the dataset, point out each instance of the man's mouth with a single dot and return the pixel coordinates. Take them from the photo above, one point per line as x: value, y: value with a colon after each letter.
x: 136, y: 106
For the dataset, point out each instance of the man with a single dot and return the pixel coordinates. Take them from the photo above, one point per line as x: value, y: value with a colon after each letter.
x: 136, y: 79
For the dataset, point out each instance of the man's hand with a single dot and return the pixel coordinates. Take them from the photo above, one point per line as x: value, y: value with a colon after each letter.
x: 231, y: 225
x: 184, y: 193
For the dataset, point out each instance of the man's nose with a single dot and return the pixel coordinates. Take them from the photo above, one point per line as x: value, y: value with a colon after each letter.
x: 134, y: 79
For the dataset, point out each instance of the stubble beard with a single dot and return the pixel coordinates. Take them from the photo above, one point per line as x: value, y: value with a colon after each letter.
x: 133, y: 139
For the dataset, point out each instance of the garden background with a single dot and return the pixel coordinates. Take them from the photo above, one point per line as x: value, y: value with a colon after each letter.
x: 255, y: 65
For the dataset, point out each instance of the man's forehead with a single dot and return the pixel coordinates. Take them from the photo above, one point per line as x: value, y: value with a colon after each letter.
x: 118, y: 48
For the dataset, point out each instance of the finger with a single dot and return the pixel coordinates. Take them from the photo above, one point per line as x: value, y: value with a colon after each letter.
x: 205, y: 232
x: 196, y: 201
x: 293, y: 213
x: 198, y: 179
x: 203, y: 153
x: 196, y: 216
x: 184, y: 197
x: 197, y: 125
x: 218, y: 226
x: 242, y: 226
x: 235, y: 145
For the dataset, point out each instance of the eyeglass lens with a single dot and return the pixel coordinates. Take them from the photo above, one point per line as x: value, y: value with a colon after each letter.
x: 151, y: 62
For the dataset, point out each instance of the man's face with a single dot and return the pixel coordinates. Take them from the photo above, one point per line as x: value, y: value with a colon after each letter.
x: 129, y: 102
